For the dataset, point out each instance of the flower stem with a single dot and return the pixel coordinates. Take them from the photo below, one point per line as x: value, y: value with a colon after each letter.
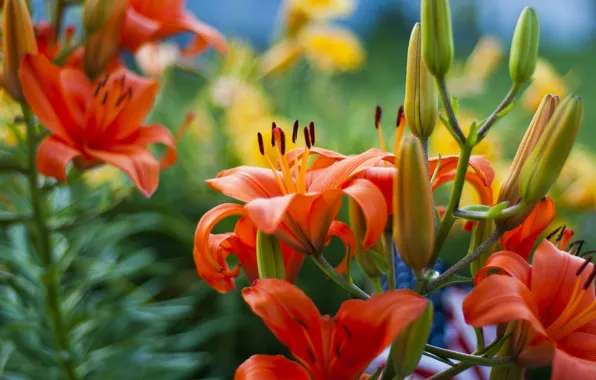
x: 482, y: 215
x: 58, y: 18
x: 453, y: 124
x: 492, y: 239
x: 50, y: 278
x: 456, y: 192
x: 482, y: 132
x: 351, y: 288
x: 468, y: 358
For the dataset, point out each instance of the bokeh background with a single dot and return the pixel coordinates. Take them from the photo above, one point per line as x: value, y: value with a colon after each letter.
x: 232, y: 102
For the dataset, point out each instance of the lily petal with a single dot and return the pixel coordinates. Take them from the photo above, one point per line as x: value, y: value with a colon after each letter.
x: 158, y: 134
x: 345, y: 234
x: 553, y: 280
x: 479, y: 164
x: 374, y: 208
x: 566, y: 366
x: 53, y: 157
x: 322, y: 212
x: 266, y: 367
x: 363, y: 329
x: 138, y: 29
x: 246, y: 183
x: 513, y: 298
x: 290, y: 315
x: 522, y: 238
x: 205, y: 36
x: 139, y: 164
x: 484, y: 191
x: 383, y: 178
x: 220, y: 277
x: 505, y: 262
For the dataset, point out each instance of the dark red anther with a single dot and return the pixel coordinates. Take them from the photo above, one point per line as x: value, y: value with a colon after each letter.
x: 378, y: 113
x: 579, y: 244
x: 590, y: 279
x: 307, y: 138
x: 122, y: 81
x: 311, y: 129
x: 105, y: 99
x: 282, y: 136
x: 96, y: 92
x: 560, y: 236
x: 261, y: 144
x: 553, y: 233
x: 583, y: 266
x: 105, y: 81
x: 400, y: 115
x: 295, y: 132
x: 273, y: 127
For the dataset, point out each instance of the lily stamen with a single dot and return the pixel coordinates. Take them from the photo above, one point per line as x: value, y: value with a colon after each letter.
x: 400, y: 124
x: 302, y: 177
x: 554, y: 232
x: 378, y: 114
x: 273, y: 169
x: 279, y: 139
x: 576, y: 251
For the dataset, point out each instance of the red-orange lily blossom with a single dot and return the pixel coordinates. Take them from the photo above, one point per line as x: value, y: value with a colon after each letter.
x: 296, y: 203
x: 521, y: 239
x: 554, y: 296
x: 327, y: 348
x: 93, y: 123
x: 152, y: 20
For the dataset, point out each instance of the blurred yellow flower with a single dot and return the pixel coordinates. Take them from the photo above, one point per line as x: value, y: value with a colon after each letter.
x: 331, y: 48
x: 280, y: 57
x: 545, y: 81
x: 9, y: 110
x: 324, y: 9
x: 576, y: 186
x: 106, y: 175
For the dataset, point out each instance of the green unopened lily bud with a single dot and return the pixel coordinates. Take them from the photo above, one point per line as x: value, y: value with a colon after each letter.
x: 524, y: 47
x: 408, y: 347
x: 437, y: 37
x: 544, y: 165
x: 270, y: 260
x: 18, y: 40
x: 103, y: 21
x: 421, y: 104
x: 510, y: 187
x: 413, y: 213
x: 482, y: 231
x: 367, y: 259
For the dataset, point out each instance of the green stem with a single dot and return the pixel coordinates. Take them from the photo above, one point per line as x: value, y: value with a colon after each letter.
x: 388, y: 246
x: 50, y: 278
x: 468, y: 358
x: 58, y: 18
x: 492, y: 119
x: 482, y: 215
x: 479, y: 338
x: 492, y: 239
x: 453, y: 123
x: 354, y: 290
x: 456, y: 192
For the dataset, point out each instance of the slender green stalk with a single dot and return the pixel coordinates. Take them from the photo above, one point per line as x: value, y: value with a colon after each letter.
x: 482, y: 215
x: 453, y: 124
x: 50, y: 278
x: 456, y: 192
x: 483, y: 131
x: 351, y: 288
x: 492, y: 239
x: 468, y: 358
x: 58, y: 18
x: 388, y: 244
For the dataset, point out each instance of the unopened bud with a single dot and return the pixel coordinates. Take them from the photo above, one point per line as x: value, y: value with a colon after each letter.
x: 270, y: 260
x: 510, y: 187
x: 481, y: 232
x: 413, y: 213
x: 408, y: 347
x: 18, y: 40
x: 437, y: 37
x: 524, y: 47
x: 544, y: 165
x: 104, y: 21
x: 421, y: 104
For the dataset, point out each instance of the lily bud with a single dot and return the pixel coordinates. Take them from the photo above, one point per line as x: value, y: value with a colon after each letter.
x: 544, y: 165
x: 270, y: 260
x: 482, y: 231
x: 421, y: 104
x: 437, y: 37
x: 524, y: 47
x: 408, y: 346
x: 366, y: 261
x: 18, y: 40
x: 104, y: 21
x: 510, y: 187
x: 413, y: 213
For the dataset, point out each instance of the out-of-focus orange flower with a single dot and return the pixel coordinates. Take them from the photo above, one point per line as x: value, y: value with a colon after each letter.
x: 522, y: 238
x: 152, y: 20
x: 326, y: 348
x: 95, y: 123
x: 554, y: 298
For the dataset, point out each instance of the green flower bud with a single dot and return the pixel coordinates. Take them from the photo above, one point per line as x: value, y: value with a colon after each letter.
x: 544, y: 165
x: 482, y: 231
x: 421, y: 104
x: 408, y: 347
x: 524, y: 47
x: 413, y: 213
x: 270, y: 260
x: 437, y: 37
x: 18, y: 40
x: 510, y: 187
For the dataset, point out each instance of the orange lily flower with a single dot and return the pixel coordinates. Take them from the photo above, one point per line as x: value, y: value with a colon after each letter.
x: 522, y: 238
x: 93, y: 123
x: 327, y: 348
x: 554, y: 296
x: 152, y: 20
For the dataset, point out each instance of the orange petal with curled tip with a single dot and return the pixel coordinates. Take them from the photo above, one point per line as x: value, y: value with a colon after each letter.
x: 246, y: 183
x: 158, y: 134
x: 374, y: 208
x: 267, y: 367
x: 53, y: 157
x: 505, y: 262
